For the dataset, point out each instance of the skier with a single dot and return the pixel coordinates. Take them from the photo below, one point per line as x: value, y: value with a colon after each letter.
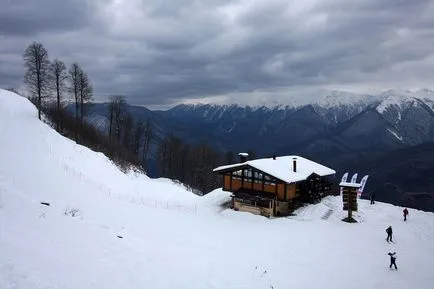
x: 405, y: 211
x: 372, y: 196
x: 392, y: 260
x: 389, y: 234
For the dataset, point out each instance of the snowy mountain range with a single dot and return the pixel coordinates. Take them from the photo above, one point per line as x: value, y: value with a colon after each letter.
x: 394, y: 119
x: 69, y: 218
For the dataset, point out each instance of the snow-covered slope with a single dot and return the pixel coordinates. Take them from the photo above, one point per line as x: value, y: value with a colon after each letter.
x: 401, y: 100
x: 172, y: 238
x: 410, y: 114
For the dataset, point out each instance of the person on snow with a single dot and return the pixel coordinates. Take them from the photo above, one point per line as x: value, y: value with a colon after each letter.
x: 392, y: 260
x: 372, y: 196
x: 405, y: 211
x: 389, y: 234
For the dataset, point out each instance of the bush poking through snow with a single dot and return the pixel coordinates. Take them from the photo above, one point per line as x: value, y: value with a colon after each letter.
x: 73, y: 212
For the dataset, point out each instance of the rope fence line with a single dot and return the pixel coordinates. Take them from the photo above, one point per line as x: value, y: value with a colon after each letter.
x: 139, y: 200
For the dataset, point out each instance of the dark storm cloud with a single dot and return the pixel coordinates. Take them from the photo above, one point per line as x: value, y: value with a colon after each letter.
x: 158, y: 52
x: 32, y: 17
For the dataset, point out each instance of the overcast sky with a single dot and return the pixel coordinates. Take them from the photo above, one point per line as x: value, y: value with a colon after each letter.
x: 159, y: 52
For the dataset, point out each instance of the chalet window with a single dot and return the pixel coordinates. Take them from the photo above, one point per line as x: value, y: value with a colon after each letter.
x: 248, y: 173
x: 258, y: 177
x: 269, y: 181
x: 236, y: 175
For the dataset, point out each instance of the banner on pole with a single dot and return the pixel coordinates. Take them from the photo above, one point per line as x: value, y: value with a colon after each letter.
x: 362, y: 185
x: 354, y: 178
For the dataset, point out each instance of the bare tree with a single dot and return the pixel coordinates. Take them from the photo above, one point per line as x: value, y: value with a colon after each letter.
x: 190, y: 164
x: 230, y: 157
x: 147, y: 138
x: 202, y: 161
x: 59, y: 76
x: 139, y: 131
x: 74, y: 89
x: 86, y: 91
x: 128, y: 125
x: 37, y: 78
x: 117, y: 108
x: 111, y: 112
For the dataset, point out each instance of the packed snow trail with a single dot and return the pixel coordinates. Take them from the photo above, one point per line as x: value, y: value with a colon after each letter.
x: 327, y: 214
x: 42, y: 247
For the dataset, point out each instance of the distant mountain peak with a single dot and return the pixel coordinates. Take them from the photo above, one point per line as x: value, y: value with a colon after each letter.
x: 402, y: 99
x: 336, y: 98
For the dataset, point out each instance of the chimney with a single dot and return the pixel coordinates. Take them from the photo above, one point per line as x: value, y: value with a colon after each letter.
x: 294, y: 164
x: 274, y: 157
x: 243, y: 157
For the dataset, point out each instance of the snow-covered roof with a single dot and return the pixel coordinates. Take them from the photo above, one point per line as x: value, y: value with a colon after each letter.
x: 282, y: 168
x: 350, y: 185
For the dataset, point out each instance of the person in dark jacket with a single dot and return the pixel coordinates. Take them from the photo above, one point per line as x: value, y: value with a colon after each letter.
x: 392, y: 260
x: 389, y: 234
x: 405, y: 211
x: 372, y: 196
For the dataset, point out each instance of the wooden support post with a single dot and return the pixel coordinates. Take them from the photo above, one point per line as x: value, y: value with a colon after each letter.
x: 275, y: 186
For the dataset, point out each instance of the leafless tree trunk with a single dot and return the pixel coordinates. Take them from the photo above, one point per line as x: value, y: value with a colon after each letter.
x: 36, y: 78
x: 148, y: 135
x: 230, y: 157
x: 86, y: 91
x: 111, y: 111
x: 74, y: 76
x: 59, y: 76
x: 163, y: 158
x: 117, y: 108
x: 127, y: 129
x: 138, y: 135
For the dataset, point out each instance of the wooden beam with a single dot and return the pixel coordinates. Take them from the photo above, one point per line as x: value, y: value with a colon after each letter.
x: 275, y: 187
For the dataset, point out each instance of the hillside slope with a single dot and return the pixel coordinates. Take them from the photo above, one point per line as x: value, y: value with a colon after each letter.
x: 172, y: 238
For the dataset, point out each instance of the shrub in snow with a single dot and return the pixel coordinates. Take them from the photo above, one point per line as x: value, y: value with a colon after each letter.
x: 73, y: 212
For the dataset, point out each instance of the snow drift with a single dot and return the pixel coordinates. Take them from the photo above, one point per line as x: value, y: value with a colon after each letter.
x: 107, y: 229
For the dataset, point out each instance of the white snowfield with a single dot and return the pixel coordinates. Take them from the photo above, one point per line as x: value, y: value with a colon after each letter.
x: 172, y: 238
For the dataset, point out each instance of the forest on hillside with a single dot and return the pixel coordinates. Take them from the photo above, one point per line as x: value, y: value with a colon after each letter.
x: 52, y: 85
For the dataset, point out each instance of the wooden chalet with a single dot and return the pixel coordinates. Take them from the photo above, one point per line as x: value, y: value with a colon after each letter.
x: 275, y: 186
